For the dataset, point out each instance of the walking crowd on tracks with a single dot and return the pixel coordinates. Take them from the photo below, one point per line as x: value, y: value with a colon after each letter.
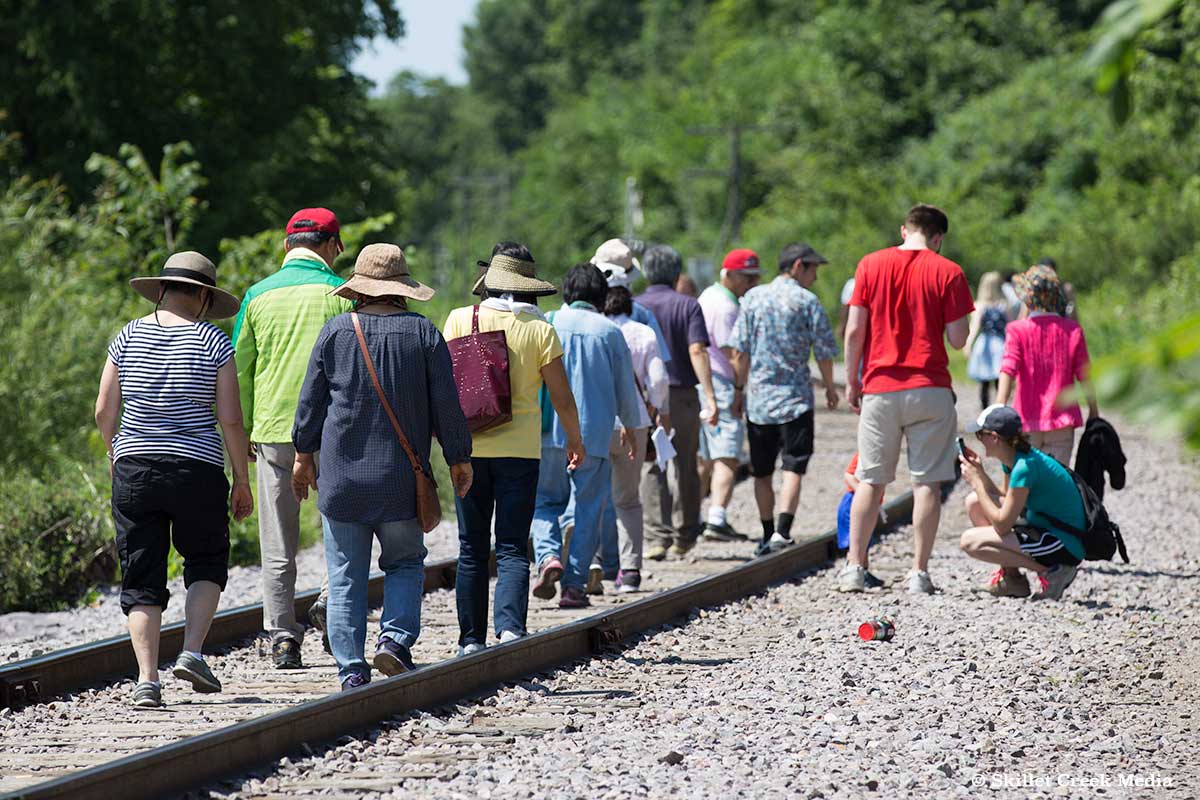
x: 583, y: 428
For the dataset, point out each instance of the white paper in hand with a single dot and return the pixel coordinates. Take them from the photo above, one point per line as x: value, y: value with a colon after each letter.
x: 664, y: 450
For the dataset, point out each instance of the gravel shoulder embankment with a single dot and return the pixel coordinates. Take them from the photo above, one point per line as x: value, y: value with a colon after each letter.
x: 775, y: 696
x: 25, y: 634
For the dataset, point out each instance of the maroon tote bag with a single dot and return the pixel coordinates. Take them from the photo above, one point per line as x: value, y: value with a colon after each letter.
x: 481, y: 374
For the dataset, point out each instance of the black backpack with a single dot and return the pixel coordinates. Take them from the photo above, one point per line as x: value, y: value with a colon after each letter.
x: 1102, y: 538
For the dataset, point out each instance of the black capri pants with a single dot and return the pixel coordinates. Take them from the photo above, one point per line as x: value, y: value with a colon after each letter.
x: 794, y: 439
x: 160, y: 498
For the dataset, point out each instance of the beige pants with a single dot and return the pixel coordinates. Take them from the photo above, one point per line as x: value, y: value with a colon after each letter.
x: 1057, y: 443
x: 677, y: 497
x: 278, y: 541
x: 924, y: 418
x: 626, y: 480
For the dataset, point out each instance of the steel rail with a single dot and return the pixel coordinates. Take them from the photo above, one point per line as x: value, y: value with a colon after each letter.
x: 33, y: 679
x: 232, y: 750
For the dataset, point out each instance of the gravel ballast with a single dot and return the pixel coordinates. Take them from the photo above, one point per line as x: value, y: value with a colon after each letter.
x: 776, y: 696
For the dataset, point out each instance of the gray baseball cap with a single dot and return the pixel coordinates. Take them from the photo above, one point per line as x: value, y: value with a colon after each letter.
x: 997, y: 418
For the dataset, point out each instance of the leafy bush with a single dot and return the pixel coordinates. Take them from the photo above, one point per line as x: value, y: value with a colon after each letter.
x: 56, y: 535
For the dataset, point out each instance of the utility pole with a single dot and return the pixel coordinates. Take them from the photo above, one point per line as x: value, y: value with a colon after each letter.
x: 731, y: 228
x: 496, y: 190
x: 633, y: 208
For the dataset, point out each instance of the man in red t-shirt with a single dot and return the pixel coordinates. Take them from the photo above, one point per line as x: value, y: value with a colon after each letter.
x: 904, y: 299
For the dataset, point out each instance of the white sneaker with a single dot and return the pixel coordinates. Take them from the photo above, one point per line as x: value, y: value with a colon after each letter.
x: 852, y: 578
x: 918, y: 582
x: 778, y: 541
x: 470, y: 649
x: 509, y: 636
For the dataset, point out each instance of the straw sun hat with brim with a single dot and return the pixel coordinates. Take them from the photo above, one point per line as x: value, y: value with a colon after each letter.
x: 193, y: 268
x: 508, y: 275
x: 382, y: 271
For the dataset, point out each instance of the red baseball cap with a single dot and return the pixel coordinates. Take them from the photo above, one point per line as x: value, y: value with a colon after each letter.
x: 744, y: 261
x: 314, y: 220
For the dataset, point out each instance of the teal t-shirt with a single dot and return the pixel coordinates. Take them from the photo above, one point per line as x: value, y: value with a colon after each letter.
x: 1052, y: 491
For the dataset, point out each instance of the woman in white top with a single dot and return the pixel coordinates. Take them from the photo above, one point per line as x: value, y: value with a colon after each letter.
x: 985, y: 340
x: 164, y: 374
x: 651, y: 375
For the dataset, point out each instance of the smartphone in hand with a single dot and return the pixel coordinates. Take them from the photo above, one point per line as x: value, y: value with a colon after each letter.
x: 962, y: 447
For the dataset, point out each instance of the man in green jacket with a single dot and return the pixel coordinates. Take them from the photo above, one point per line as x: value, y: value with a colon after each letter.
x: 273, y: 337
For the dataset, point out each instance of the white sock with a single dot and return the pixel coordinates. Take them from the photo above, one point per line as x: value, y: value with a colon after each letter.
x: 194, y: 655
x: 716, y: 515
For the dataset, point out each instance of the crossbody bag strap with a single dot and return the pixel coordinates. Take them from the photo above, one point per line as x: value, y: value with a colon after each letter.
x: 387, y: 407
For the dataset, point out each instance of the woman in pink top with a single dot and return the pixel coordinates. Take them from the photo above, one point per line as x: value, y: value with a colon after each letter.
x: 1047, y: 354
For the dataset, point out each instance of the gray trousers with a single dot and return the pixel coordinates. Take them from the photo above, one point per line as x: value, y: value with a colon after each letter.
x: 672, y: 503
x: 626, y: 475
x: 278, y: 541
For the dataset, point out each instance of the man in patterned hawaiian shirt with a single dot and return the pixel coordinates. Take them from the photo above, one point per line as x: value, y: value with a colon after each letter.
x: 779, y: 325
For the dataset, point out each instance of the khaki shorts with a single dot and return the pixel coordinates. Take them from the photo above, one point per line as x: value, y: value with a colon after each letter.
x: 925, y: 418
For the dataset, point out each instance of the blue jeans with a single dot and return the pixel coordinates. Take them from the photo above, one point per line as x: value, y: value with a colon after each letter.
x: 609, y: 553
x: 591, y: 485
x: 507, y: 486
x: 348, y: 559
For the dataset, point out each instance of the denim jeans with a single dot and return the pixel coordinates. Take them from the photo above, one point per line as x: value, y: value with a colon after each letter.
x: 591, y: 485
x: 608, y: 554
x: 507, y: 487
x: 348, y: 558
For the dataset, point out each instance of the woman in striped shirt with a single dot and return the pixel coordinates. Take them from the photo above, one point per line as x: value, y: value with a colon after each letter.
x: 164, y: 374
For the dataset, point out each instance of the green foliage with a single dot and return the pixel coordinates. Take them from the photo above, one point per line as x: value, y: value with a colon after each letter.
x: 1114, y: 54
x: 1154, y: 381
x: 57, y: 537
x: 262, y: 90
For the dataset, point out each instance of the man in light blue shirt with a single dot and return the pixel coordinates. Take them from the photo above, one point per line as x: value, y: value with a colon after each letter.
x: 600, y: 370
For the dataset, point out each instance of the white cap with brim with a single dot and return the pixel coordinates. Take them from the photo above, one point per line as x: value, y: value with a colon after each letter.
x: 616, y: 275
x: 617, y: 253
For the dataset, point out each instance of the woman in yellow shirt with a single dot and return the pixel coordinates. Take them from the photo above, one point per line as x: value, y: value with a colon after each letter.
x: 505, y: 458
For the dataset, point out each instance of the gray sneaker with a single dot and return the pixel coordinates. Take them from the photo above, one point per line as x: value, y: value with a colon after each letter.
x: 918, y: 582
x: 852, y: 578
x: 1055, y: 581
x: 196, y: 672
x: 147, y: 694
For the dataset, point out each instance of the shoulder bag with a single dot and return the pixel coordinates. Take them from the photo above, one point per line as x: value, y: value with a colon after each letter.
x: 481, y: 374
x: 429, y: 507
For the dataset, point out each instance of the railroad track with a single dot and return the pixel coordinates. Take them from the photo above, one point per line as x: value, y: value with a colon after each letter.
x: 44, y: 677
x: 77, y: 750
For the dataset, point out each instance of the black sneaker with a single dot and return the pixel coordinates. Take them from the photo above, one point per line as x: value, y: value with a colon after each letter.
x: 392, y: 658
x: 286, y: 654
x: 871, y: 582
x: 722, y: 533
x: 356, y: 681
x: 776, y: 543
x: 317, y: 613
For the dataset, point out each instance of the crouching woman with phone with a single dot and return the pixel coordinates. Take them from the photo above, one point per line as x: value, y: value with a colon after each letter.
x: 1034, y: 483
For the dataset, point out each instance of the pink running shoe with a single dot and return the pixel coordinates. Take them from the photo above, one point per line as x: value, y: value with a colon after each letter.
x: 550, y: 572
x: 1005, y: 585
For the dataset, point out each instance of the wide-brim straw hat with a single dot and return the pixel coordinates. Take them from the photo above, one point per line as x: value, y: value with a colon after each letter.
x: 189, y: 267
x: 508, y: 275
x: 382, y: 271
